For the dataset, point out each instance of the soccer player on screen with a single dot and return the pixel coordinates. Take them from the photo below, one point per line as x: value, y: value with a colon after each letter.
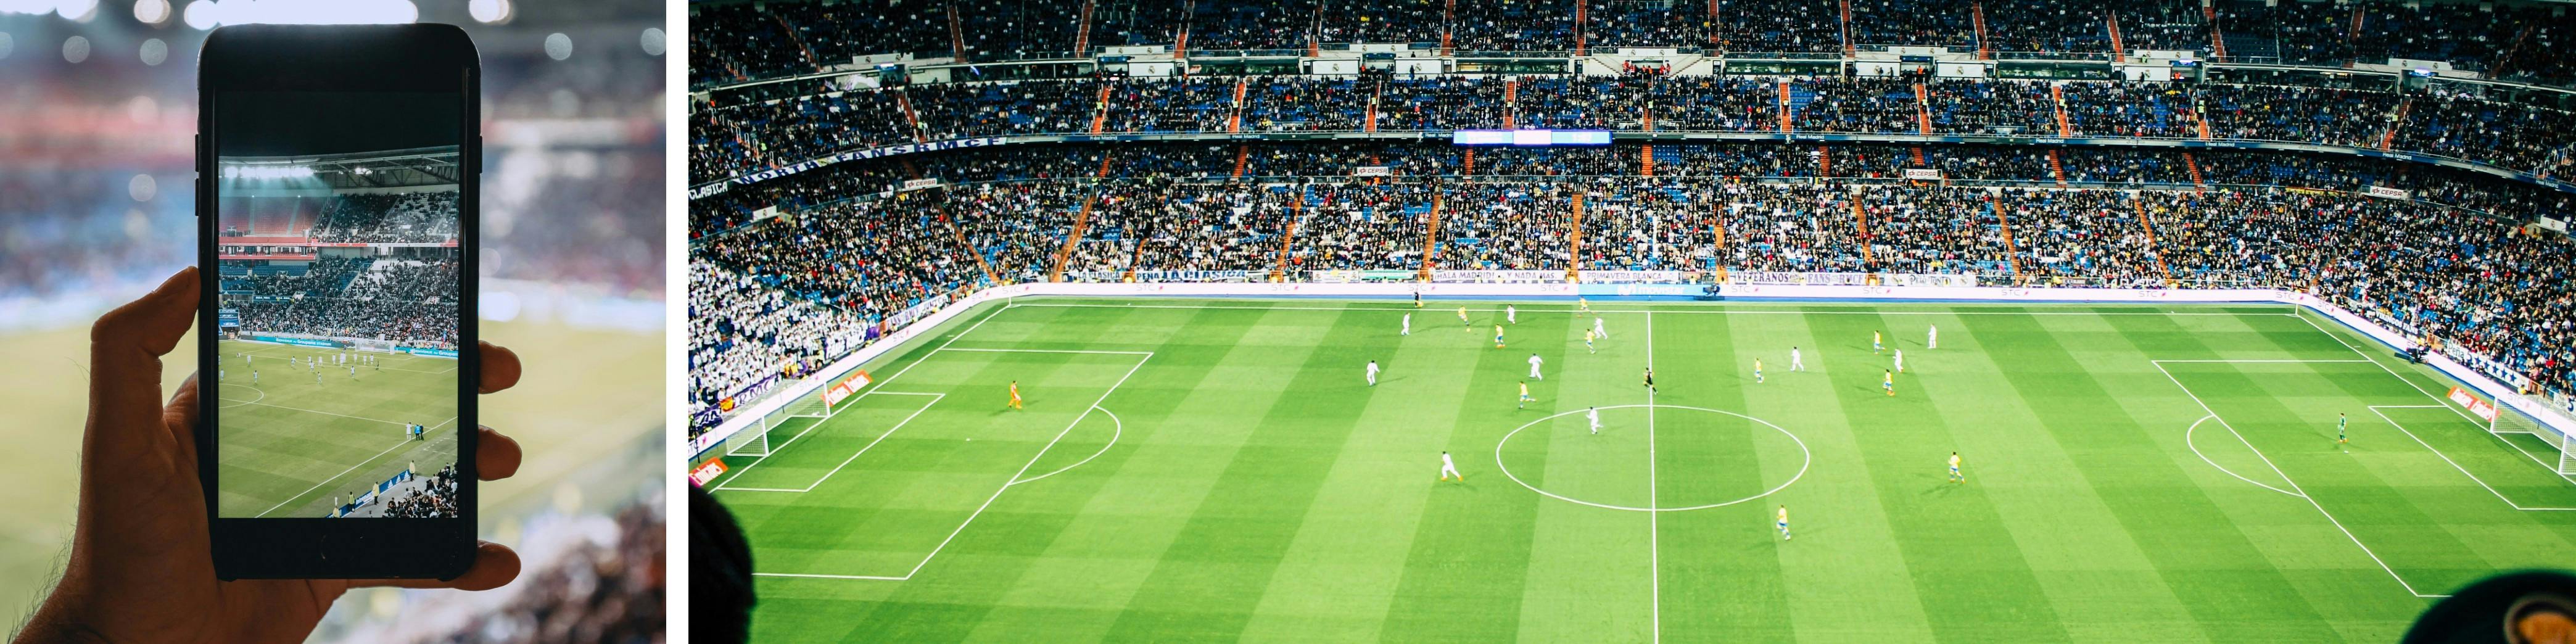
x: 1583, y: 305
x: 1462, y: 319
x: 1408, y: 325
x: 1449, y: 468
x: 1525, y: 397
x: 1874, y: 342
x: 1900, y: 359
x: 1757, y: 370
x: 1593, y: 414
x: 1955, y: 476
x: 1932, y: 337
x: 1597, y: 328
x: 1534, y: 362
x: 1498, y: 336
x: 1511, y: 314
x: 1784, y: 523
x: 1888, y: 380
x: 1015, y: 395
x: 1417, y: 299
x: 1650, y: 380
x: 1797, y: 361
x: 1587, y: 343
x: 2339, y: 425
x: 1372, y: 373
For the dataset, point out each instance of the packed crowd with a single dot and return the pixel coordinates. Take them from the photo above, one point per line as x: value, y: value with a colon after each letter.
x: 379, y: 218
x: 412, y: 302
x: 436, y: 498
x: 2271, y: 219
x: 735, y: 42
x: 742, y: 330
x: 729, y: 139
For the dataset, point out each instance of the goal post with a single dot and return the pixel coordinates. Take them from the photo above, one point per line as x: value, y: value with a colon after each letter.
x: 755, y: 441
x: 2507, y: 416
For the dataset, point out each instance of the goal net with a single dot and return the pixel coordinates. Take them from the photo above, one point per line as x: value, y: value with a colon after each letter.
x: 2506, y: 416
x: 756, y: 440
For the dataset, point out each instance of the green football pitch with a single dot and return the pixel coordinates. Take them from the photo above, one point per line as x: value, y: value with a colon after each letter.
x: 1202, y: 470
x: 291, y: 445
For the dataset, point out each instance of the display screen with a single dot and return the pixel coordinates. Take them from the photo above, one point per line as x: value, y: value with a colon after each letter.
x: 1530, y: 138
x: 339, y: 264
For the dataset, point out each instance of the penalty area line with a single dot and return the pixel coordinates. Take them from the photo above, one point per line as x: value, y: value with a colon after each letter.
x: 2294, y: 485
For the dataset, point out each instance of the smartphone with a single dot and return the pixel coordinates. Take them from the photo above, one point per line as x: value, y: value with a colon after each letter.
x: 336, y: 198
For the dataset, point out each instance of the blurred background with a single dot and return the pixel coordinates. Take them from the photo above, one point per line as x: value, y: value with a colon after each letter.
x: 97, y: 107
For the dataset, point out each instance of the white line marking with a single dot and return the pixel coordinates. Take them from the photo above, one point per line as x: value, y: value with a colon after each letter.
x: 2195, y: 449
x: 818, y: 482
x: 2262, y: 361
x: 2446, y: 458
x: 880, y: 386
x: 1128, y: 353
x: 328, y: 480
x: 2294, y: 485
x: 1024, y: 468
x: 2410, y: 382
x: 1116, y: 430
x: 1711, y: 309
x: 1802, y: 467
x: 1654, y: 527
x: 997, y: 494
x: 263, y: 395
x: 325, y: 413
x: 793, y: 574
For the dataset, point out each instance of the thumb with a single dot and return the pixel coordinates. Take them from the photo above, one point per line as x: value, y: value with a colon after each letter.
x: 125, y: 349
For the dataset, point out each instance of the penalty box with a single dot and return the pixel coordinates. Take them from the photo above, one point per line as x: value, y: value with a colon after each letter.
x: 880, y: 487
x: 2409, y: 459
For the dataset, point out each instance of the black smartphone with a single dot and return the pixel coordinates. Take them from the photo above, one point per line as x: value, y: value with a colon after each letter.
x: 336, y: 197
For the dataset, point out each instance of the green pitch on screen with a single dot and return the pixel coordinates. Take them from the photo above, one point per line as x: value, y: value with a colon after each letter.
x: 292, y: 446
x: 1201, y: 470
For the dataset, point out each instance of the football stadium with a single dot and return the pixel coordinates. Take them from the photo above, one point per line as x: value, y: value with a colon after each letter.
x: 1485, y: 320
x: 338, y: 390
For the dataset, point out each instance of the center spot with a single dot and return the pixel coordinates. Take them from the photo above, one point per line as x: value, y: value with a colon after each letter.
x: 1701, y: 458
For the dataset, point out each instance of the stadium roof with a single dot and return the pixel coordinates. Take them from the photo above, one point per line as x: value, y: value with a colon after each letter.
x: 379, y: 169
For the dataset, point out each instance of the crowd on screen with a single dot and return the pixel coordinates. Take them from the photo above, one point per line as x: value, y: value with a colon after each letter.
x: 409, y: 302
x: 2115, y: 217
x: 435, y: 498
x: 2529, y: 42
x: 408, y: 218
x: 731, y: 136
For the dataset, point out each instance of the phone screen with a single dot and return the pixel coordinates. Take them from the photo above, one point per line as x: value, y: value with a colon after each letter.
x: 339, y: 266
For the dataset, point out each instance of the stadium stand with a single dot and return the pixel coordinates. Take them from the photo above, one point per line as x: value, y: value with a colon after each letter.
x: 2455, y: 258
x: 2015, y: 203
x: 732, y: 139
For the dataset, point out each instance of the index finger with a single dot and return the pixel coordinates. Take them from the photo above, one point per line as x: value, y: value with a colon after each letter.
x: 500, y: 368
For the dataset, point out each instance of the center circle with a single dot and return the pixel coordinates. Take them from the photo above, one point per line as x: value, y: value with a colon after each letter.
x: 1630, y: 448
x: 261, y: 395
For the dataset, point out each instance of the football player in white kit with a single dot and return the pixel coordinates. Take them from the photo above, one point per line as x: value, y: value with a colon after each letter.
x: 1534, y: 363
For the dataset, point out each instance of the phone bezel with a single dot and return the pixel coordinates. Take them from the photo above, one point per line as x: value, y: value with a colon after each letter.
x: 355, y: 58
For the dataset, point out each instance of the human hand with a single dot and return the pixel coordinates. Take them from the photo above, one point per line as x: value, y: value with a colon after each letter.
x: 141, y: 567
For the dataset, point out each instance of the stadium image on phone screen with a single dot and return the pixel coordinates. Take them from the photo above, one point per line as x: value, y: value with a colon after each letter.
x: 339, y: 261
